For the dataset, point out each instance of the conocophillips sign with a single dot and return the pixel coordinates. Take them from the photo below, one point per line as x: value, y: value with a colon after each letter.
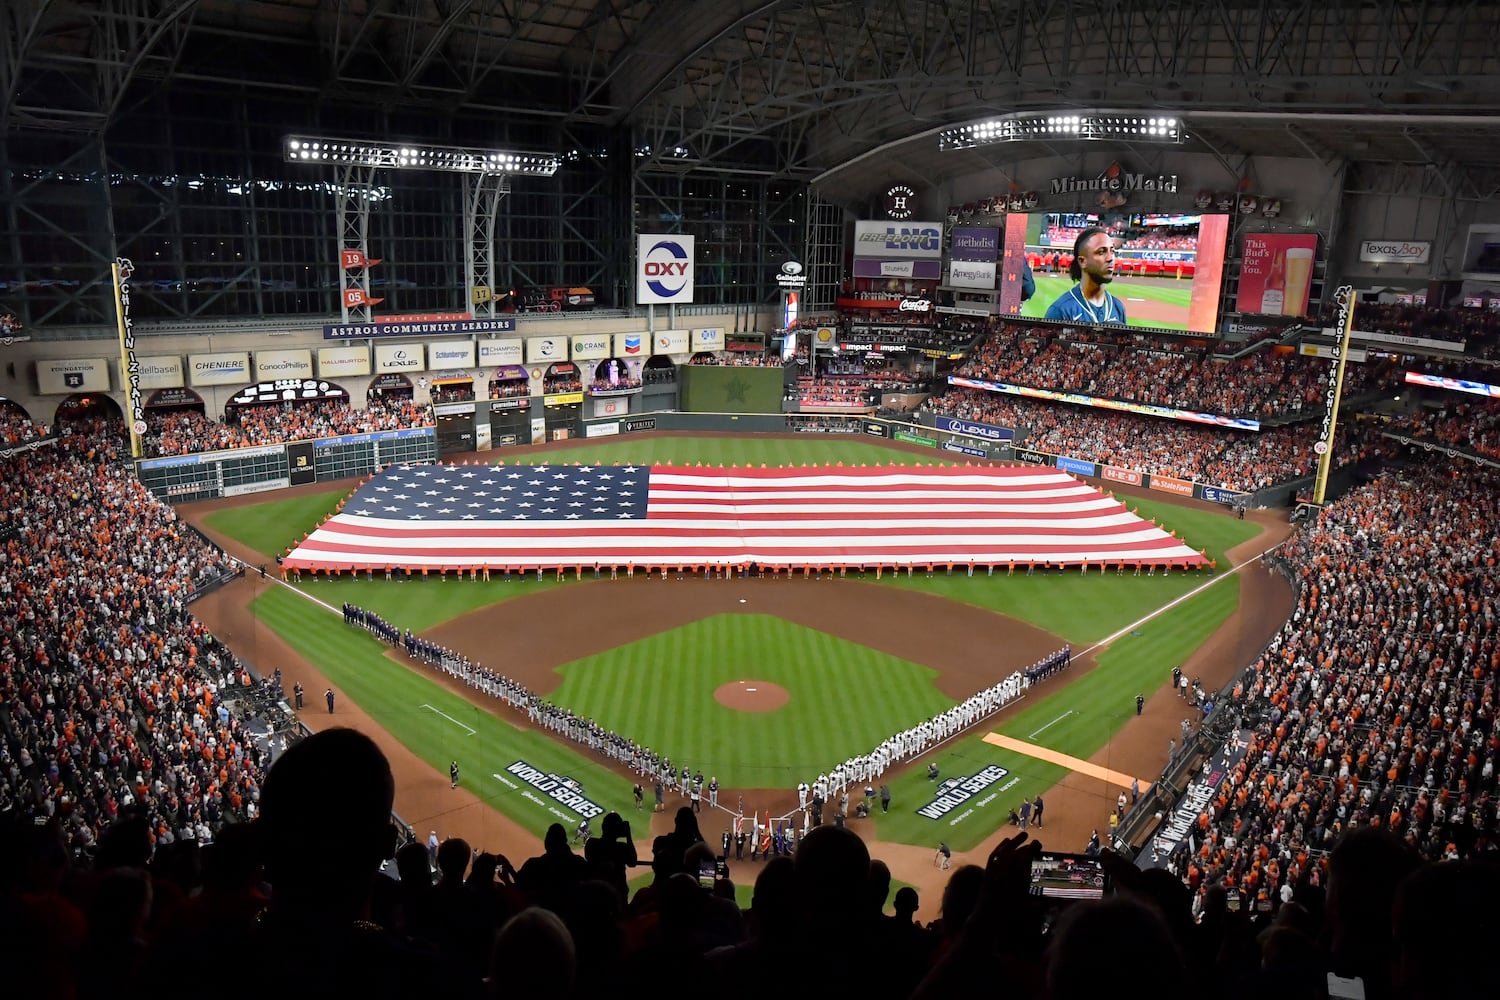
x: 664, y: 268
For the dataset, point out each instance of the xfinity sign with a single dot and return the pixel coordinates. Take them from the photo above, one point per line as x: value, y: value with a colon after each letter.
x: 664, y: 268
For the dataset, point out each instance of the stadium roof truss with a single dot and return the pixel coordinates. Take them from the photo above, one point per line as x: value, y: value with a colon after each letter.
x: 795, y: 87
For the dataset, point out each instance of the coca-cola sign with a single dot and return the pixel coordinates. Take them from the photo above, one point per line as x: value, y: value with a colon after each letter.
x: 916, y: 305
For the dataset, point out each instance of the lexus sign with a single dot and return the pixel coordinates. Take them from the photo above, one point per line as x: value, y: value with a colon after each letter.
x: 664, y: 269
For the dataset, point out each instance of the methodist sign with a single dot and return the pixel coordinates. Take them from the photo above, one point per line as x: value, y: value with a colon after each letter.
x: 664, y: 268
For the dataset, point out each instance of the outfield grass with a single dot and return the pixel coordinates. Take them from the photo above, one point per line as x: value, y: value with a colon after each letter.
x: 845, y: 698
x: 436, y: 725
x: 1077, y: 720
x: 1051, y: 603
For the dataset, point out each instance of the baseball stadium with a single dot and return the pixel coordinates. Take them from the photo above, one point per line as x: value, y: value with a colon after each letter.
x: 526, y: 499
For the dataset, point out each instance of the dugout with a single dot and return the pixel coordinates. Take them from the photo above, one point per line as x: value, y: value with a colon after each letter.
x: 454, y: 424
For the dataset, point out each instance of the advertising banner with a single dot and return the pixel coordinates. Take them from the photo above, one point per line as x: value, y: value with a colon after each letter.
x: 160, y: 372
x: 398, y: 357
x: 1077, y: 467
x: 664, y: 268
x: 1395, y: 251
x: 899, y: 240
x: 1327, y: 351
x: 1033, y: 457
x: 1183, y: 819
x: 706, y: 340
x: 589, y: 347
x: 299, y: 461
x: 1079, y: 399
x: 1430, y: 343
x: 1117, y: 475
x: 964, y: 449
x: 602, y: 430
x: 563, y: 399
x: 632, y: 345
x: 1167, y: 484
x: 1276, y: 273
x: 911, y: 438
x: 869, y: 267
x: 671, y: 342
x: 545, y: 350
x: 73, y: 375
x: 638, y: 424
x: 418, y: 326
x: 450, y: 354
x: 515, y: 403
x: 1455, y: 384
x: 1218, y: 494
x: 272, y: 365
x: 989, y: 432
x: 876, y: 430
x: 975, y: 243
x: 499, y: 353
x: 336, y: 362
x: 972, y: 274
x: 219, y: 369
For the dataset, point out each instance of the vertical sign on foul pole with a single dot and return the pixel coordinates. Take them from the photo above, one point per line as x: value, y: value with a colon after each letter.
x: 1345, y: 298
x: 130, y: 375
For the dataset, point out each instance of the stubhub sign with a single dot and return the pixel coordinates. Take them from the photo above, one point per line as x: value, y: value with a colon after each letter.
x: 664, y: 268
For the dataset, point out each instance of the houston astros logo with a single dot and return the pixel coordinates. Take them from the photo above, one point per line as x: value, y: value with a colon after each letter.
x: 898, y: 202
x: 665, y: 268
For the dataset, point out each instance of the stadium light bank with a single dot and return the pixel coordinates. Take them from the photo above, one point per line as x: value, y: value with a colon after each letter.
x: 1124, y: 127
x: 405, y: 156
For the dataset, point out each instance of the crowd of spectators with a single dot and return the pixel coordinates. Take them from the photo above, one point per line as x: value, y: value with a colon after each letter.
x: 560, y: 383
x: 660, y: 376
x: 741, y: 359
x: 804, y: 424
x: 509, y: 388
x: 182, y: 432
x: 624, y: 381
x: 1455, y: 423
x: 455, y: 392
x: 17, y: 428
x: 1375, y: 704
x: 1265, y: 384
x: 826, y: 392
x: 1238, y: 460
x: 117, y: 702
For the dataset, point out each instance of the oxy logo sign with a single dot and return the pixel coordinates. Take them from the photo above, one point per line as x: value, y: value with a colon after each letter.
x: 664, y: 268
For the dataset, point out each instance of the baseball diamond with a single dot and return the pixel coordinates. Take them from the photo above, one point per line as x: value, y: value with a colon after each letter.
x: 564, y: 498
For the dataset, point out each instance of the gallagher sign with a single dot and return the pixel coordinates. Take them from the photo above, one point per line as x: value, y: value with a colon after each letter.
x: 664, y: 268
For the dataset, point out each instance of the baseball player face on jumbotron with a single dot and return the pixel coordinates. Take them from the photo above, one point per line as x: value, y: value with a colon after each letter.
x: 1098, y: 260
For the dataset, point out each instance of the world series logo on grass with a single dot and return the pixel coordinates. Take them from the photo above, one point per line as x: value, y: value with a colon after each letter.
x: 956, y: 791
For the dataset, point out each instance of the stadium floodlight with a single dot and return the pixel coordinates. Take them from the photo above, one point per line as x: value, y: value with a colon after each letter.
x: 1117, y: 127
x: 407, y: 156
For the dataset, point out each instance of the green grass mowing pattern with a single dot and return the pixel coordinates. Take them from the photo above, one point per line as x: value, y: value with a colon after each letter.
x: 748, y: 449
x: 1052, y: 602
x: 270, y: 527
x: 394, y: 695
x: 1078, y: 720
x: 845, y: 698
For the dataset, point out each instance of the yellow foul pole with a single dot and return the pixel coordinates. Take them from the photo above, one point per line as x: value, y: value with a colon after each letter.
x: 1345, y: 297
x: 120, y: 272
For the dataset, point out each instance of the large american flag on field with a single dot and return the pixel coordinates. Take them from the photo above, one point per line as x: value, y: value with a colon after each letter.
x: 578, y: 515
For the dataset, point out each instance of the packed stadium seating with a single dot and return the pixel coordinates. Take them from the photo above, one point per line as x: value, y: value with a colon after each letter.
x: 1263, y: 385
x: 182, y: 433
x: 116, y: 701
x: 1374, y: 705
x: 1474, y: 426
x: 1240, y: 460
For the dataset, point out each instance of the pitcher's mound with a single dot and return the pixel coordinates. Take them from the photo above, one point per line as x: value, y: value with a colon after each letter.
x: 752, y: 696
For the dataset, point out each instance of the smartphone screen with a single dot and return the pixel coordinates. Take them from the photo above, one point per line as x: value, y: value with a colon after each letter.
x: 1233, y: 897
x: 706, y: 872
x: 1068, y: 876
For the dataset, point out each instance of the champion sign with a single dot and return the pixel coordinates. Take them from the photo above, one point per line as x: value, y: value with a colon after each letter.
x: 664, y: 268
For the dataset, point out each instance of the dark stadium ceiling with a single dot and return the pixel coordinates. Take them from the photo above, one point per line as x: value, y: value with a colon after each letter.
x: 798, y: 87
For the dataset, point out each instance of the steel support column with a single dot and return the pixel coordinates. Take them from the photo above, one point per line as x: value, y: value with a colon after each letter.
x: 482, y: 196
x: 354, y: 188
